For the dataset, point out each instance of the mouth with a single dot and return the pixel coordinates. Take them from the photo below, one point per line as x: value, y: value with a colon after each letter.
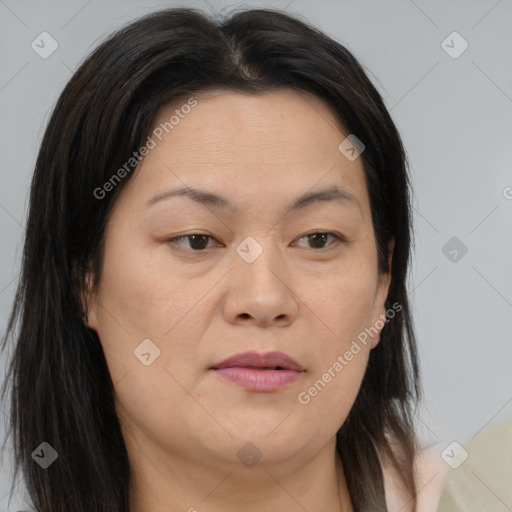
x: 259, y: 372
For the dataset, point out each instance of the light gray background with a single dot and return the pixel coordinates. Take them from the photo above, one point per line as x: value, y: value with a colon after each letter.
x: 454, y: 115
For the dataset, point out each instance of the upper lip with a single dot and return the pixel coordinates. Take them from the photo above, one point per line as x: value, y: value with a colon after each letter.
x: 258, y: 360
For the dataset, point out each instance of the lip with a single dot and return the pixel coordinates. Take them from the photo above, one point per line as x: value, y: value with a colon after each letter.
x: 259, y: 372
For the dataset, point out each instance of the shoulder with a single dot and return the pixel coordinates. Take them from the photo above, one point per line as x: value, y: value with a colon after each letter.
x: 430, y: 472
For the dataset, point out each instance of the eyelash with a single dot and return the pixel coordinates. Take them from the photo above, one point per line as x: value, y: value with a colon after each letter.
x: 339, y: 238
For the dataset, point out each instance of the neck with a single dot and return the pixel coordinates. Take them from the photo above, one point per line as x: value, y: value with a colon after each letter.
x: 164, y: 483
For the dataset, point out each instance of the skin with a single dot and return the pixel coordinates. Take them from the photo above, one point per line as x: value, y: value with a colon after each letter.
x: 183, y: 424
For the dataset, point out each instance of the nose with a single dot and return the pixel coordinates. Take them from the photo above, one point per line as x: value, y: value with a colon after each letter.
x: 261, y: 292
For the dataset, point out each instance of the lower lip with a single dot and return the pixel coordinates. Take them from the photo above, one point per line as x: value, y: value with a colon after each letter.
x: 259, y: 380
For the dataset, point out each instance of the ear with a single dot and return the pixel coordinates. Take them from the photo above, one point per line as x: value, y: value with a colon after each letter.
x: 379, y: 310
x: 89, y: 303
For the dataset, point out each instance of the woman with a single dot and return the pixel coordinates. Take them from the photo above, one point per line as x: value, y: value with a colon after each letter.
x: 273, y: 365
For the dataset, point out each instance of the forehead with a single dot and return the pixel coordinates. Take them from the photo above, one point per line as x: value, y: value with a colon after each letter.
x: 283, y: 122
x: 278, y: 142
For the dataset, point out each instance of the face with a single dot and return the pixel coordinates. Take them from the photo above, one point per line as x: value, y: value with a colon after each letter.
x: 189, y: 281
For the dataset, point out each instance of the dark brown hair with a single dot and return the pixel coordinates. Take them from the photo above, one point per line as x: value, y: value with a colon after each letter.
x: 62, y: 392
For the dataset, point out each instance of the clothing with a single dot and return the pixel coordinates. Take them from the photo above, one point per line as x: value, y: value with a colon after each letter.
x: 484, y: 481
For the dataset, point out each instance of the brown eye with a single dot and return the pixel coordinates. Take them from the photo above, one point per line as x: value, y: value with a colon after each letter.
x: 319, y: 239
x: 197, y: 241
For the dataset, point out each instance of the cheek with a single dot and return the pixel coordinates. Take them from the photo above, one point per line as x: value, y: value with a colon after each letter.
x: 330, y: 393
x: 343, y: 310
x: 152, y: 403
x: 343, y: 306
x: 142, y: 292
x: 144, y: 299
x: 340, y: 364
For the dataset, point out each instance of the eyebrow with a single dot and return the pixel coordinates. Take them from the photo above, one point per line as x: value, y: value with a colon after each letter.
x: 205, y: 198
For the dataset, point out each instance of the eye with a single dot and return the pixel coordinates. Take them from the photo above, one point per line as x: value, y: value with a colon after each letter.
x: 319, y: 238
x: 198, y: 241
